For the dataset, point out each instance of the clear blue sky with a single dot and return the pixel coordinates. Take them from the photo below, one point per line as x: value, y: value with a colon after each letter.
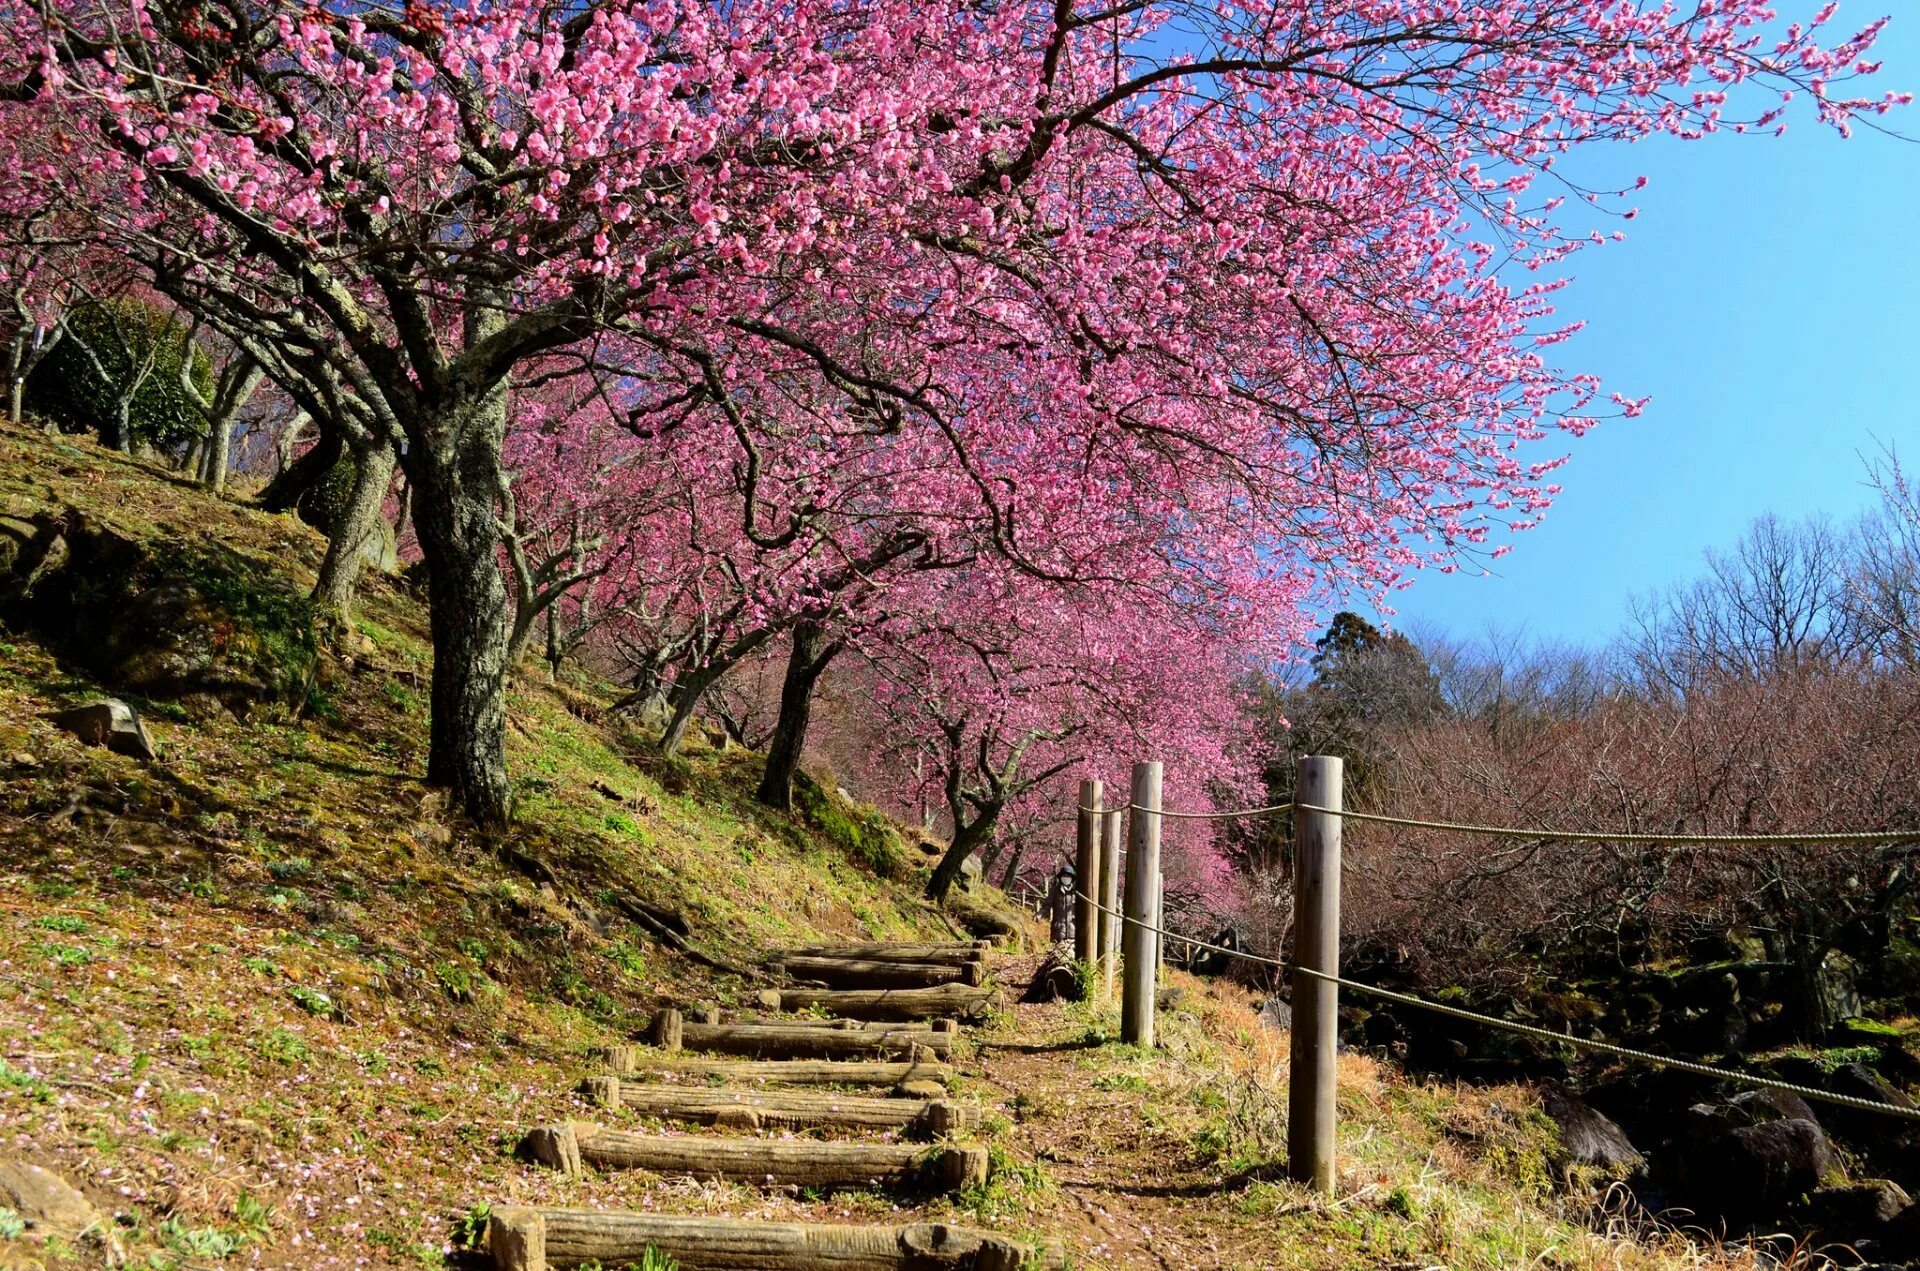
x: 1768, y: 299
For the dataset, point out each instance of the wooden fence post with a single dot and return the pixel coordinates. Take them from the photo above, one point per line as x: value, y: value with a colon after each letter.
x: 1086, y: 874
x: 1110, y: 900
x: 1316, y: 945
x: 1137, y: 938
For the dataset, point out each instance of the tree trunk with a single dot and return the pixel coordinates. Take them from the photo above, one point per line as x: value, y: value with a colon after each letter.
x: 963, y: 845
x: 283, y: 493
x: 359, y: 521
x: 810, y: 656
x: 116, y: 430
x: 455, y: 491
x: 688, y: 692
x: 216, y: 455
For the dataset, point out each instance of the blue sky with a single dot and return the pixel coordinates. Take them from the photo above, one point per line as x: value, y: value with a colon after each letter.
x: 1768, y: 299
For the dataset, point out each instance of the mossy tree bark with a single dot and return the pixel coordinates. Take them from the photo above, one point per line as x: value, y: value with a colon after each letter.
x: 358, y: 524
x: 456, y: 491
x: 811, y: 654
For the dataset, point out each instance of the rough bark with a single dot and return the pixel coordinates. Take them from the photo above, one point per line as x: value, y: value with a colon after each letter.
x: 455, y: 491
x: 811, y: 654
x: 764, y: 1162
x: 754, y: 1109
x: 952, y: 953
x: 633, y: 1060
x: 340, y: 569
x: 538, y: 1239
x: 782, y: 1041
x: 858, y: 973
x: 964, y: 844
x: 958, y: 1000
x: 284, y: 492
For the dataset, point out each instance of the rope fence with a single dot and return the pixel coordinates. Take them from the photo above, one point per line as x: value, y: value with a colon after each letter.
x: 1812, y: 838
x: 1542, y: 1034
x: 1136, y: 930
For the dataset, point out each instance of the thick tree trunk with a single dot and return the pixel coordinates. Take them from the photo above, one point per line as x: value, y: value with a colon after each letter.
x: 809, y: 658
x: 455, y: 491
x: 359, y: 522
x: 283, y: 493
x: 969, y: 838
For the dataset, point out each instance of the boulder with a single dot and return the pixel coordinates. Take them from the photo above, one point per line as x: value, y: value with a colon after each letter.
x: 1773, y: 1163
x: 1275, y: 1013
x: 1588, y: 1138
x: 1853, y: 1211
x: 51, y: 1208
x: 110, y: 723
x: 971, y: 871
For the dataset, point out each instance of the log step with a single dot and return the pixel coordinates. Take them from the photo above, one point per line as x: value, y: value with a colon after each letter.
x: 570, y: 1145
x: 855, y: 1025
x: 790, y: 1041
x: 960, y: 1001
x: 878, y: 973
x: 887, y: 951
x: 755, y: 1109
x: 523, y: 1239
x: 637, y: 1060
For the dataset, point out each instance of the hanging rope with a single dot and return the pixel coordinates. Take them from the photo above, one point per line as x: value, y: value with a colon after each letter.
x: 1543, y: 1034
x: 1821, y: 838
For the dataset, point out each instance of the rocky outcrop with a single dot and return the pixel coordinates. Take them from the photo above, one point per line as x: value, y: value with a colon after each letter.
x: 50, y: 1208
x: 163, y: 618
x: 110, y: 723
x: 1587, y: 1138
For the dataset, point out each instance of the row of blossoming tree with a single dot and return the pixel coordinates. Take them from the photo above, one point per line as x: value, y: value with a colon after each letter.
x: 1050, y: 361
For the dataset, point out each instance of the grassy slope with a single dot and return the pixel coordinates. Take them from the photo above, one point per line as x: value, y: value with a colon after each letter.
x: 269, y: 1004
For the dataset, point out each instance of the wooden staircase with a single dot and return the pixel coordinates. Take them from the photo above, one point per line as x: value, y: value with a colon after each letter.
x: 894, y: 1013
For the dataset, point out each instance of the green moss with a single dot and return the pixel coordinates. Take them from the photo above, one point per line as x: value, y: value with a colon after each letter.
x: 862, y: 832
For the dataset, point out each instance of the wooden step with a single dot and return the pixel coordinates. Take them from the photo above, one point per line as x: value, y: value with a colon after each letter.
x: 857, y: 1025
x: 797, y: 1041
x: 524, y: 1239
x: 887, y: 951
x: 570, y: 1145
x: 758, y: 1109
x: 878, y: 973
x: 960, y: 1001
x: 626, y: 1061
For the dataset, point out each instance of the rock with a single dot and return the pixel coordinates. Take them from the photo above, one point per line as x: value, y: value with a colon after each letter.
x: 110, y: 723
x: 1853, y: 1210
x: 1774, y: 1162
x: 23, y: 759
x: 170, y: 640
x: 1763, y: 1104
x: 1171, y: 998
x: 1275, y: 1013
x: 970, y: 872
x: 1589, y: 1138
x: 51, y: 1208
x: 1863, y: 1082
x: 1836, y: 990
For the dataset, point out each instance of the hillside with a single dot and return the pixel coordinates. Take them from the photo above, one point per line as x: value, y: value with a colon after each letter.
x: 267, y: 1005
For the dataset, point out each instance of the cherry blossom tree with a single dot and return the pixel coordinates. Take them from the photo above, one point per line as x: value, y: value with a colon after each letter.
x: 1245, y: 262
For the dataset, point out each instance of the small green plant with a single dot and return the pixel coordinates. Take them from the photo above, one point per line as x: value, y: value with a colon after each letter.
x: 63, y: 954
x: 282, y: 1046
x: 12, y: 1225
x: 470, y: 1228
x: 259, y: 966
x: 36, y: 1090
x: 254, y: 1216
x: 66, y: 924
x: 199, y: 1242
x: 313, y: 1001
